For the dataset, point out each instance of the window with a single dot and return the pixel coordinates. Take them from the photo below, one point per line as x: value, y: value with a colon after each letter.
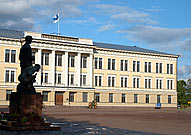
x: 8, y: 94
x: 85, y: 97
x: 160, y: 71
x: 111, y: 81
x: 71, y: 79
x: 123, y: 98
x: 58, y: 60
x: 58, y: 78
x: 83, y: 62
x: 13, y: 56
x: 158, y: 98
x: 45, y: 95
x: 110, y: 97
x: 147, y: 83
x: 98, y: 80
x: 83, y: 80
x: 135, y: 82
x: 123, y: 81
x: 45, y: 59
x: 7, y: 55
x: 124, y: 65
x: 9, y: 75
x: 111, y: 64
x: 10, y: 57
x: 147, y: 98
x: 71, y: 96
x: 97, y: 97
x: 98, y: 63
x: 46, y: 78
x: 136, y: 66
x: 169, y: 99
x: 148, y: 67
x: 71, y: 61
x: 159, y: 83
x: 169, y: 68
x: 169, y: 84
x: 135, y: 98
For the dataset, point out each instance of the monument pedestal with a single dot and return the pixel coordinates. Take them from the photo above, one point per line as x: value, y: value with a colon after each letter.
x: 25, y: 113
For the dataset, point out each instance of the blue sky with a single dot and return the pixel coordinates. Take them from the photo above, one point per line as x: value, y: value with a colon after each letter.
x: 163, y: 25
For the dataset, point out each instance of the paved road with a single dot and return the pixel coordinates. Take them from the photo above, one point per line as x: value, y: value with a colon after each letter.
x: 115, y: 121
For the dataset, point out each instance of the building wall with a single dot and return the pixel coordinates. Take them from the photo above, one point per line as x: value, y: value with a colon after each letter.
x: 53, y: 47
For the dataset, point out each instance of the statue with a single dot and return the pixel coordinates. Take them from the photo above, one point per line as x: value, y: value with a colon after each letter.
x: 27, y: 76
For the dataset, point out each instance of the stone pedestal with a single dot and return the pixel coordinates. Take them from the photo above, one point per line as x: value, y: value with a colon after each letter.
x: 26, y: 104
x: 26, y: 113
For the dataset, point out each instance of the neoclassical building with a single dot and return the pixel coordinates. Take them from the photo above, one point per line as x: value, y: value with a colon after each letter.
x: 75, y: 71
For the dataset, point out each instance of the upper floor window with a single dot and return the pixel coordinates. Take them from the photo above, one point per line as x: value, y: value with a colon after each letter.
x: 111, y: 64
x: 124, y: 81
x: 44, y: 77
x: 148, y: 83
x: 98, y: 63
x: 148, y: 67
x: 136, y: 66
x: 10, y: 55
x: 71, y: 80
x: 58, y: 78
x: 98, y: 80
x: 10, y: 75
x: 71, y: 60
x: 158, y: 67
x: 136, y: 82
x: 159, y: 83
x: 83, y: 80
x: 169, y: 68
x: 124, y: 65
x: 45, y: 59
x: 169, y: 84
x: 111, y: 81
x: 58, y: 59
x: 83, y: 62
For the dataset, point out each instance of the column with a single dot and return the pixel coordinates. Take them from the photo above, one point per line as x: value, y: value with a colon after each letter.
x: 52, y: 68
x: 90, y: 70
x: 65, y: 69
x: 78, y: 69
x: 38, y: 61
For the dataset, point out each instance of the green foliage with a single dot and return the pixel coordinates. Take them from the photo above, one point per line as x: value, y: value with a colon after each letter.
x: 184, y: 91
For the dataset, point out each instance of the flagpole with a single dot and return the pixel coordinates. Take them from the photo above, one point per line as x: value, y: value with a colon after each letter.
x: 58, y: 23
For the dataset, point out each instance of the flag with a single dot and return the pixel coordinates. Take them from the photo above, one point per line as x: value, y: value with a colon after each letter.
x: 55, y: 18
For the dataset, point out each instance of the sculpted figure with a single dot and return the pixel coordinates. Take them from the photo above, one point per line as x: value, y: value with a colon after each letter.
x: 27, y: 76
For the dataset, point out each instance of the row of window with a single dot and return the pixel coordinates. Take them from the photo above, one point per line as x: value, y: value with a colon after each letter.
x: 10, y: 56
x: 136, y: 65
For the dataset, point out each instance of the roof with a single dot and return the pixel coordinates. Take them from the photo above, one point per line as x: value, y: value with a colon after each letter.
x: 11, y: 34
x: 129, y: 48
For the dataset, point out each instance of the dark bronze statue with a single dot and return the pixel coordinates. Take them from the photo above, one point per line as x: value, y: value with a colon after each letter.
x: 27, y: 76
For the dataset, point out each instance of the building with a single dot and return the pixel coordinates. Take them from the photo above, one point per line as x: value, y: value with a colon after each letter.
x: 75, y: 71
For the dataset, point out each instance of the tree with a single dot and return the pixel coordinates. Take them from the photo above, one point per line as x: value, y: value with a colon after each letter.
x: 184, y: 91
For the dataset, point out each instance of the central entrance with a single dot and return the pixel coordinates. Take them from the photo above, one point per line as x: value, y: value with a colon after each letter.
x: 59, y: 98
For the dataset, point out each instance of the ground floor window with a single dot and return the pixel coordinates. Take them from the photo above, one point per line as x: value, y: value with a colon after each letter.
x: 110, y: 97
x: 85, y: 97
x: 45, y: 95
x: 8, y: 94
x: 71, y: 97
x: 169, y: 99
x: 147, y: 98
x: 123, y: 98
x: 158, y: 98
x: 135, y: 98
x: 97, y: 97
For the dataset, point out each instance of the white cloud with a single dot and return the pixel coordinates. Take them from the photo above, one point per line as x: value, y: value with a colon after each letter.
x: 160, y: 37
x: 106, y: 27
x: 126, y: 14
x: 22, y: 14
x: 184, y: 72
